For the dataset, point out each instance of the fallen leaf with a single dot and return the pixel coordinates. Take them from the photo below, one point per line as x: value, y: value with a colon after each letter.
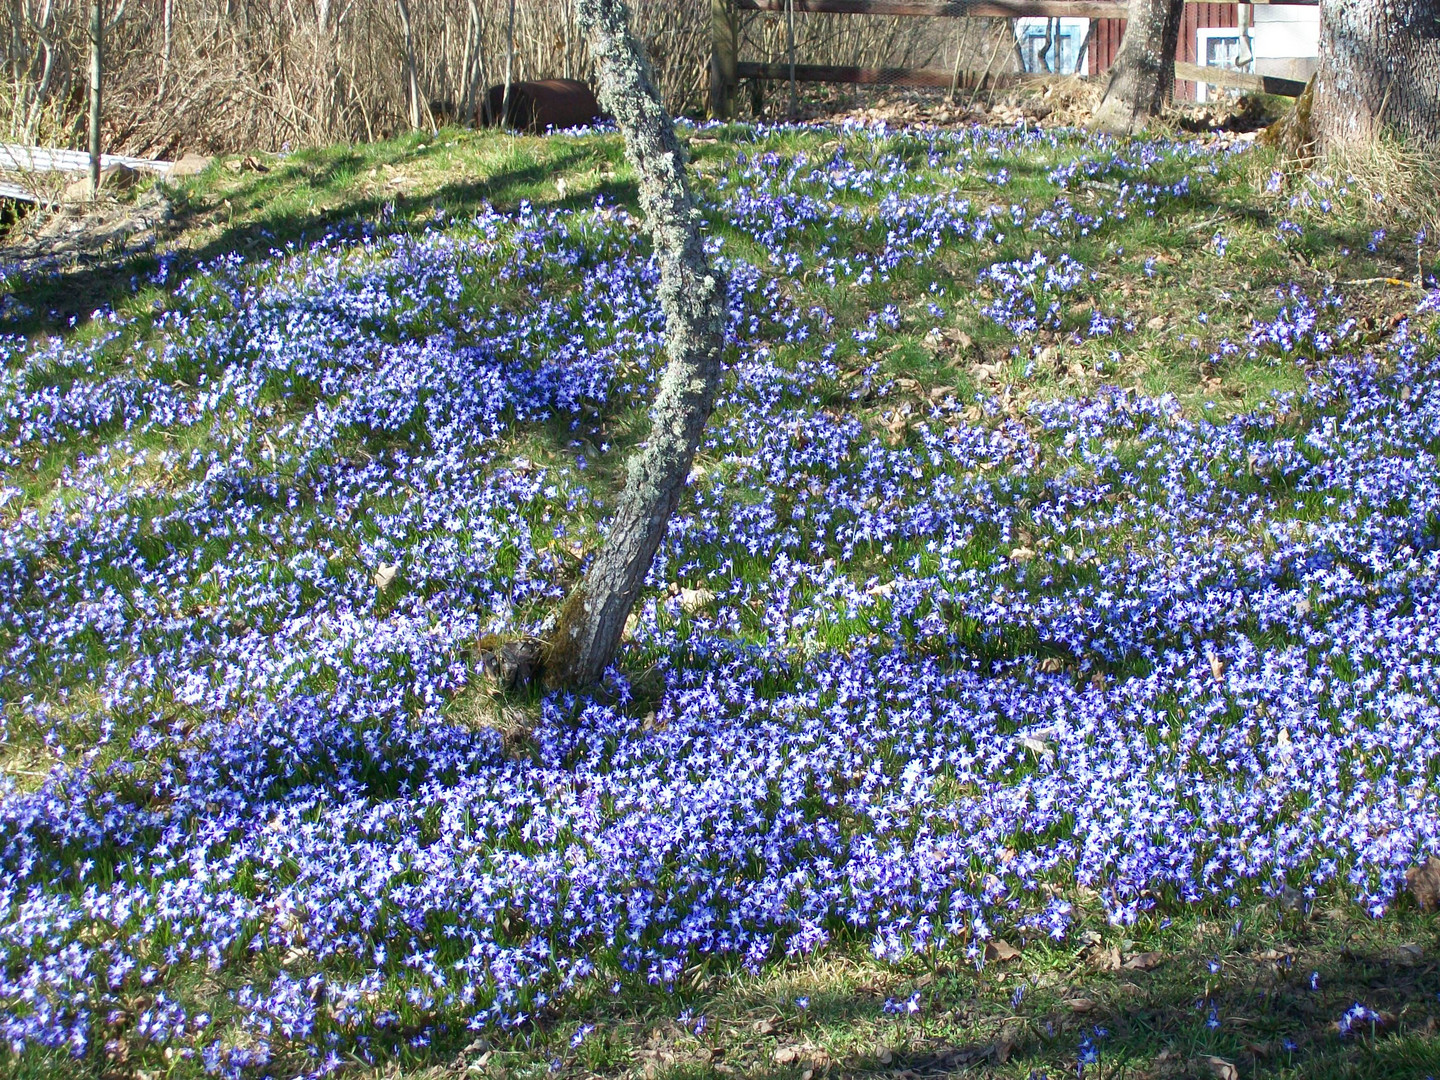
x: 1036, y: 747
x: 1143, y: 961
x: 897, y: 427
x: 1021, y: 554
x: 1108, y: 959
x: 384, y: 574
x: 1424, y: 883
x: 787, y: 1055
x: 1003, y: 1046
x: 1000, y: 950
x: 884, y: 1055
x: 1221, y: 1069
x: 1156, y: 323
x: 1217, y: 667
x: 693, y: 600
x: 1080, y: 1005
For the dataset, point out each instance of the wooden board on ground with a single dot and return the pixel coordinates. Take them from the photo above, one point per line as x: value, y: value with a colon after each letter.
x: 1239, y: 80
x: 18, y: 160
x: 15, y: 157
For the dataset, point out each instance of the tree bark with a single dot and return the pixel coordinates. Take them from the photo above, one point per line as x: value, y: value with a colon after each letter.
x: 412, y: 79
x: 97, y: 50
x: 1379, y: 71
x: 591, y: 623
x: 1143, y: 75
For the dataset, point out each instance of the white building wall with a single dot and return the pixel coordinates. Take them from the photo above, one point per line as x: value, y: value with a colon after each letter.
x: 1285, y: 39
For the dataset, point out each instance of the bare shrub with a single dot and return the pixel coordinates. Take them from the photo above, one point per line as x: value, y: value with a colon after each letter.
x: 229, y: 75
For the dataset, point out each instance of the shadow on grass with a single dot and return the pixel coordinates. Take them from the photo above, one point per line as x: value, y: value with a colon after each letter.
x: 60, y: 301
x: 1266, y: 1004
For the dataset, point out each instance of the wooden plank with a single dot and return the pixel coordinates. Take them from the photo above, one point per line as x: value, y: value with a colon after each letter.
x: 16, y: 192
x: 1017, y: 9
x: 1240, y: 80
x: 724, y: 48
x: 16, y: 157
x: 832, y: 73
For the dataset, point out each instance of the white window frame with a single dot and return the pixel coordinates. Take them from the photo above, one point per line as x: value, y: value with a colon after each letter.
x: 1203, y: 36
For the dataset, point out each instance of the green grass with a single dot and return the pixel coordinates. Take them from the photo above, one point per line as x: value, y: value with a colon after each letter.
x: 1155, y: 1015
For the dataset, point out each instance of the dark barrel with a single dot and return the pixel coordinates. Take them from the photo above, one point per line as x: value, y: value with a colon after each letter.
x: 549, y: 103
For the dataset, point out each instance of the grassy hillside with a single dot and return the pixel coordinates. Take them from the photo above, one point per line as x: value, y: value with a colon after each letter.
x: 1040, y: 677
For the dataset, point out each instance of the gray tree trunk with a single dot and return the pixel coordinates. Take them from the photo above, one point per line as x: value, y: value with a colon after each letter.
x: 692, y: 295
x: 97, y: 49
x: 1143, y: 75
x: 1379, y: 70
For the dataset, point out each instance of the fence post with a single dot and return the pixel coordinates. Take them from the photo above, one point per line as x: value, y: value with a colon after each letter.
x: 509, y: 61
x: 97, y: 32
x: 790, y: 50
x: 724, y: 45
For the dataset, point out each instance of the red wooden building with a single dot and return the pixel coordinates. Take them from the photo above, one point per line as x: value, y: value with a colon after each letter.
x: 1282, y: 41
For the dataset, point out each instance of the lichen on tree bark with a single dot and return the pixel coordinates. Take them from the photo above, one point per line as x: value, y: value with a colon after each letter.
x: 590, y: 625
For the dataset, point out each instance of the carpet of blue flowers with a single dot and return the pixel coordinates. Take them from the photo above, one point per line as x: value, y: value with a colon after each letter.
x: 931, y: 667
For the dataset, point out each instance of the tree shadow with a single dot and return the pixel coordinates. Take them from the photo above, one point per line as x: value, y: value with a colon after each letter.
x: 1268, y: 1005
x: 60, y: 300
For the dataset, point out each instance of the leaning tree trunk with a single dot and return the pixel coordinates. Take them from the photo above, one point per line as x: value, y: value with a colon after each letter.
x: 1143, y: 74
x: 692, y: 296
x: 1379, y: 70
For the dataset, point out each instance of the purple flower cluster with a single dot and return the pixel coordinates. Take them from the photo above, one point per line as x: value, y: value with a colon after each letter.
x: 249, y: 538
x: 1358, y: 1017
x: 1029, y: 293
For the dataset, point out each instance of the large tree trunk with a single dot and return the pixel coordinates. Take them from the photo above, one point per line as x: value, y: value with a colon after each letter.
x: 692, y: 295
x: 1143, y: 75
x: 1379, y: 70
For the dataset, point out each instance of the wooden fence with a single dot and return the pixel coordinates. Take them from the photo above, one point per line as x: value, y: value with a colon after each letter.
x: 726, y: 68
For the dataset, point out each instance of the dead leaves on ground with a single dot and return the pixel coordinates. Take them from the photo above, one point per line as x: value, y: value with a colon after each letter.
x: 1423, y: 881
x: 999, y: 951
